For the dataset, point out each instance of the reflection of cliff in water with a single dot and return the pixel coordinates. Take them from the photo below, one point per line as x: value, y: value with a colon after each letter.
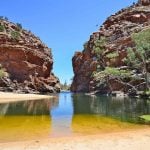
x: 125, y: 109
x: 33, y: 107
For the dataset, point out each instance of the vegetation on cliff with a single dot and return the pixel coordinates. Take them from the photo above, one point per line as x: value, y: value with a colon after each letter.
x: 117, y: 57
x: 3, y: 72
x: 141, y: 54
x: 27, y: 60
x: 136, y: 69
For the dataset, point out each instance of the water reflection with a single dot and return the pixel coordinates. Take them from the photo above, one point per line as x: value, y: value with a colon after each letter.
x: 62, y: 116
x: 26, y: 120
x: 33, y: 107
x: 68, y: 115
x: 125, y: 109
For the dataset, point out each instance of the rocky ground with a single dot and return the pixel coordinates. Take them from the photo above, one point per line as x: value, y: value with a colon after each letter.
x: 27, y: 61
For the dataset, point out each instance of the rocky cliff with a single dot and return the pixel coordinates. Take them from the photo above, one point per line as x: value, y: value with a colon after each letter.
x: 105, y: 64
x: 27, y: 61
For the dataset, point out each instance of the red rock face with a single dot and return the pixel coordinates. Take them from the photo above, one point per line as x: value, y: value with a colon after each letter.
x: 117, y: 29
x: 144, y: 2
x: 27, y: 60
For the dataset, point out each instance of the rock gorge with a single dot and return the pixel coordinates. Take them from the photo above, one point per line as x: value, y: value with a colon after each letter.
x: 27, y: 61
x: 107, y: 52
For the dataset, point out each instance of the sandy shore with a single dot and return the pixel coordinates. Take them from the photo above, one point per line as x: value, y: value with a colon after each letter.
x: 130, y: 140
x: 10, y: 97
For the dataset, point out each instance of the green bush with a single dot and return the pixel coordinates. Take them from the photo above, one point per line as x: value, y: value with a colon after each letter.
x: 146, y: 118
x: 117, y: 72
x: 2, y: 73
x: 2, y: 28
x: 140, y: 56
x: 99, y: 46
x: 113, y: 72
x: 15, y: 35
x: 112, y: 55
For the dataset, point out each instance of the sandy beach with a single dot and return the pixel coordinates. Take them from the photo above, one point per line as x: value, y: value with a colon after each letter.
x: 130, y: 140
x: 11, y: 97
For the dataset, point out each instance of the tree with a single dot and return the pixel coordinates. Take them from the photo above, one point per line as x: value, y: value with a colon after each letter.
x: 140, y: 56
x: 142, y: 52
x: 99, y: 49
x: 120, y: 75
x: 65, y: 86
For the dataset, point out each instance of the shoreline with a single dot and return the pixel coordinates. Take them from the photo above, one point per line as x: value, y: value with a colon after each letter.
x: 135, y: 140
x: 13, y: 97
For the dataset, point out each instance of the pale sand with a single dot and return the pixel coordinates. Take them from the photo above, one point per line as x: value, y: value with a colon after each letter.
x: 129, y: 140
x: 11, y: 97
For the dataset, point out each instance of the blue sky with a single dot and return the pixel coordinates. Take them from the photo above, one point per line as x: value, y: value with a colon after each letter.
x: 63, y: 25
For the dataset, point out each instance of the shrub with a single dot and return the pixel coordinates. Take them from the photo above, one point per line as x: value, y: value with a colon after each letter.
x: 15, y: 35
x: 2, y: 28
x: 112, y: 55
x: 140, y: 56
x: 99, y: 46
x: 112, y: 72
x: 2, y: 73
x: 117, y: 72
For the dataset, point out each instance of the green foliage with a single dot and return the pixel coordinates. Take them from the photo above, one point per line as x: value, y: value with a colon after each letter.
x: 65, y: 86
x: 131, y: 59
x: 117, y: 72
x: 103, y: 77
x: 2, y: 72
x: 142, y: 41
x: 142, y: 49
x: 112, y: 55
x: 146, y: 118
x: 15, y: 35
x: 2, y: 28
x: 113, y: 72
x: 99, y: 46
x: 147, y: 92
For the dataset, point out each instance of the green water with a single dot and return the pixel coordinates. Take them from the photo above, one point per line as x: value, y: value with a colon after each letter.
x: 69, y: 115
